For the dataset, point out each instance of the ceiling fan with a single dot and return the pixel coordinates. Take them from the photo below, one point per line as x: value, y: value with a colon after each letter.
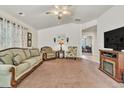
x: 60, y: 11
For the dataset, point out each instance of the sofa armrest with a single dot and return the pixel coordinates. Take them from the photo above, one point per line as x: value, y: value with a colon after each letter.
x: 5, y: 75
x: 41, y: 52
x: 5, y: 69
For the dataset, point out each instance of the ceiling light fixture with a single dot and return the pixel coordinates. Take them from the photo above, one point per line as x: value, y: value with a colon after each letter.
x: 60, y: 11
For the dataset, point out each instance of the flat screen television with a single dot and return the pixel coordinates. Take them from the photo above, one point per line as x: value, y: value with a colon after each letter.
x: 114, y: 39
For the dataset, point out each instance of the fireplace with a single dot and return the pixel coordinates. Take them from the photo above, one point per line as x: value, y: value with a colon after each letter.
x: 109, y: 67
x: 112, y: 64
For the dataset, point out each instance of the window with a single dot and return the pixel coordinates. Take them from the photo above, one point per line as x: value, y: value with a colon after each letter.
x: 11, y: 34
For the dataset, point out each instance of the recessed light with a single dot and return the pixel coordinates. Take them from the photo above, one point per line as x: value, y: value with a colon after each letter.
x: 21, y: 14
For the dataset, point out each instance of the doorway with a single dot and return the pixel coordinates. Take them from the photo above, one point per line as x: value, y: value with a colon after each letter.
x: 89, y: 43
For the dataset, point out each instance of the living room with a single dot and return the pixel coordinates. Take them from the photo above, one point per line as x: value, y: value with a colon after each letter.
x: 61, y: 46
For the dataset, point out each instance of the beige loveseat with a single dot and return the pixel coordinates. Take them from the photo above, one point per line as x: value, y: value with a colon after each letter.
x: 48, y: 53
x: 17, y: 63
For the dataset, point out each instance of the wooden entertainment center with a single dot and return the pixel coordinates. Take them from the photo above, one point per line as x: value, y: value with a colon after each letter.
x: 112, y: 64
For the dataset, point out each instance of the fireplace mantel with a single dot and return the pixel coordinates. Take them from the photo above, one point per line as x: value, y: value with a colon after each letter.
x: 116, y: 59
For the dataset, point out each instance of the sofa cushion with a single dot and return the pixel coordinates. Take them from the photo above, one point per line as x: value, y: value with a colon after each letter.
x: 38, y: 58
x: 20, y: 52
x: 51, y: 54
x: 21, y: 68
x: 34, y: 52
x: 27, y: 53
x: 32, y: 61
x: 17, y: 59
x: 9, y: 51
x: 6, y: 59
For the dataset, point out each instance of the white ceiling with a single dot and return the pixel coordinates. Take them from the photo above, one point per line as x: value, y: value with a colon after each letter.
x: 35, y: 14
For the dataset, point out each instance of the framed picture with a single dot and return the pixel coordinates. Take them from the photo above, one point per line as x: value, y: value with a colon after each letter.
x: 29, y: 39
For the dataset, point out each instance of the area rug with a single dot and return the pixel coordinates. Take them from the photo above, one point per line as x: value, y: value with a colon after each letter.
x: 68, y: 73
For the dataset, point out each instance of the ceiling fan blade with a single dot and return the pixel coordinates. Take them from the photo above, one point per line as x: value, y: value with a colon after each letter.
x: 48, y: 12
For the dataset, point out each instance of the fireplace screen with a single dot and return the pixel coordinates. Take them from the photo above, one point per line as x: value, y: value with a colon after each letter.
x: 108, y: 67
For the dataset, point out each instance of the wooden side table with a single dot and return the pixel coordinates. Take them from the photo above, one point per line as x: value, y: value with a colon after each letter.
x: 61, y: 54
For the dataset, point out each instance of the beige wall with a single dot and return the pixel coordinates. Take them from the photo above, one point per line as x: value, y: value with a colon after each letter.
x: 71, y: 30
x: 112, y: 19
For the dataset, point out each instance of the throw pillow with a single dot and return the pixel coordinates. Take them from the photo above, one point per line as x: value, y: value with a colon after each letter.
x: 1, y: 62
x: 34, y: 52
x: 6, y: 59
x: 17, y: 59
x: 27, y: 53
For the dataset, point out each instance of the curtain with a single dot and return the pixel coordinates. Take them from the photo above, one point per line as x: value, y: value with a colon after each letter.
x: 24, y: 37
x: 12, y: 34
x: 1, y: 32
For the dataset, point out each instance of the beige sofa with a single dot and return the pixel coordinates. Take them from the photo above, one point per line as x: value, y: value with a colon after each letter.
x: 17, y: 63
x: 48, y: 53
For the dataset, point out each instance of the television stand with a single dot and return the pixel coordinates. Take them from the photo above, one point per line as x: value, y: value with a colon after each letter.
x: 112, y: 64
